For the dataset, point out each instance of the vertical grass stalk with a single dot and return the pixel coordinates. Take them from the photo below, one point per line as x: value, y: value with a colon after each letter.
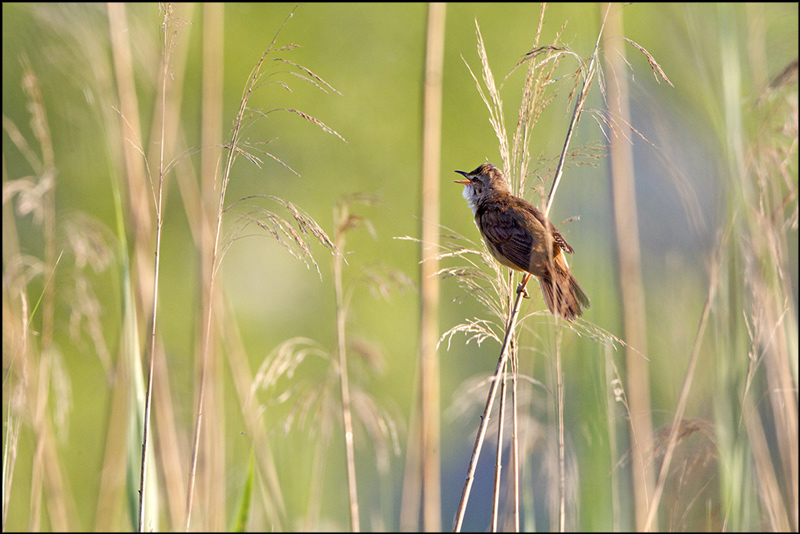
x: 169, y: 34
x: 429, y: 455
x: 630, y: 276
x: 340, y: 221
x: 687, y: 384
x: 495, y: 381
x: 498, y: 463
x: 232, y: 152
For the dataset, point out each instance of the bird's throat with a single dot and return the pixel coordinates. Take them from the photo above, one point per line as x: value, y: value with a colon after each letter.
x: 471, y: 198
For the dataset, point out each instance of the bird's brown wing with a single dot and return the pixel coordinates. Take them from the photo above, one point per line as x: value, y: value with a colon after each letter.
x: 558, y: 239
x: 506, y: 237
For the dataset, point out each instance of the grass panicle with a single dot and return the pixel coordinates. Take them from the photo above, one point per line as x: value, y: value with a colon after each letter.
x: 277, y: 226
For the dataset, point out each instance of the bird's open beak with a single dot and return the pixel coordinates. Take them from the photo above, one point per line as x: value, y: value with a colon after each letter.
x: 463, y: 182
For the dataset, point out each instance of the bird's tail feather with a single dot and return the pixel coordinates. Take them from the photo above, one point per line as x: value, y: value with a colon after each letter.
x: 563, y: 294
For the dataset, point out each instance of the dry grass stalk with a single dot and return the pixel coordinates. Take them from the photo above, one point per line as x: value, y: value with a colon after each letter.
x: 630, y: 274
x: 170, y: 26
x: 274, y: 224
x: 343, y: 220
x: 421, y: 479
x: 767, y: 174
x: 677, y: 428
x: 335, y: 396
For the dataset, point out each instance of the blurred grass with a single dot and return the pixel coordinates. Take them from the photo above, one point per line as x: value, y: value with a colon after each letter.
x: 723, y: 157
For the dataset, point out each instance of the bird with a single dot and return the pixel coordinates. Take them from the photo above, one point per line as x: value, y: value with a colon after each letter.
x: 519, y: 236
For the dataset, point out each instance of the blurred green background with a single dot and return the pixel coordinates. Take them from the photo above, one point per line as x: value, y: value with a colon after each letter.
x: 373, y: 54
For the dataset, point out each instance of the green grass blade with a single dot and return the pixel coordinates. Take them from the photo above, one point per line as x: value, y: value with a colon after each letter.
x: 239, y: 523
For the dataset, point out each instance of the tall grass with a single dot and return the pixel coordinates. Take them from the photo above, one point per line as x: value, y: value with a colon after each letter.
x: 422, y: 477
x: 37, y: 364
x: 761, y: 160
x: 271, y: 221
x: 295, y: 436
x: 316, y: 400
x: 630, y: 272
x: 140, y: 215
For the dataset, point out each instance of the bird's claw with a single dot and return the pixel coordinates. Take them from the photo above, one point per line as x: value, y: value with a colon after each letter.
x: 521, y: 289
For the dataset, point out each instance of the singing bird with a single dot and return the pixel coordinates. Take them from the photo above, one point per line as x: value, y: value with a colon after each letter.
x: 519, y: 236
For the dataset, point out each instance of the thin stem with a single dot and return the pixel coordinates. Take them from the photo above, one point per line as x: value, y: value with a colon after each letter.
x: 562, y: 478
x: 687, y: 384
x: 232, y: 147
x: 514, y: 437
x: 347, y: 417
x: 476, y: 451
x: 576, y: 115
x: 156, y: 268
x: 498, y: 465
